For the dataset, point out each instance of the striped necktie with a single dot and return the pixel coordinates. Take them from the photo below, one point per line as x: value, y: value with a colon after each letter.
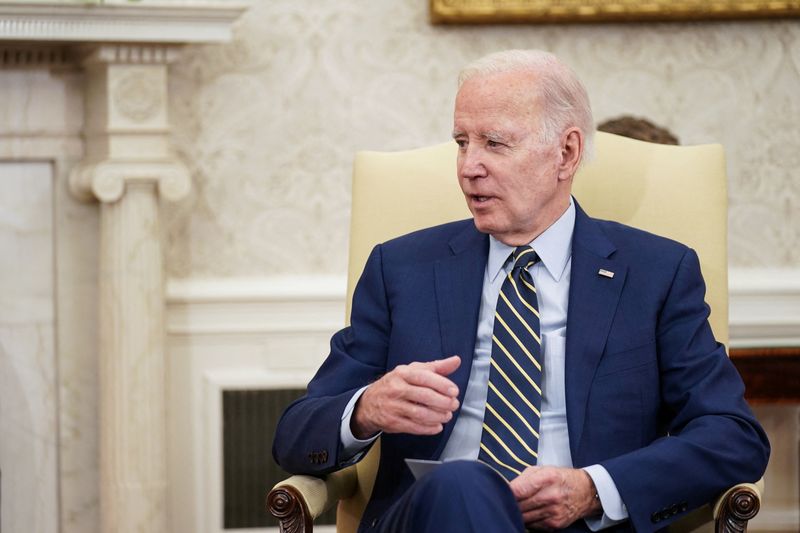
x: 510, y: 437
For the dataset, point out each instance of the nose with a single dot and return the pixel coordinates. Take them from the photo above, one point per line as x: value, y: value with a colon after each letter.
x: 470, y: 162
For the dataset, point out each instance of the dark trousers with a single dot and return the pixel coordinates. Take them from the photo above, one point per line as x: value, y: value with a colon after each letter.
x: 457, y: 497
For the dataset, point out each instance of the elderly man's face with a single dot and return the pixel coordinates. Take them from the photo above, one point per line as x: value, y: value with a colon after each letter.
x: 509, y: 178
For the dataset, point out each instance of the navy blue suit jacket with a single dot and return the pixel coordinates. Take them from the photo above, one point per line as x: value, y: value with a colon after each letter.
x: 650, y: 394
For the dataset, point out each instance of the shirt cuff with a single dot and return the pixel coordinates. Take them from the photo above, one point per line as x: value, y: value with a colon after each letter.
x: 352, y: 448
x: 614, y: 509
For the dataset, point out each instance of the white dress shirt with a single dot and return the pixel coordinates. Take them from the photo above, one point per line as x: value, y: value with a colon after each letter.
x: 551, y: 276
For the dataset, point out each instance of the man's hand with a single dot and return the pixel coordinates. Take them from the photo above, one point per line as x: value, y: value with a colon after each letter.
x: 553, y: 498
x: 415, y: 398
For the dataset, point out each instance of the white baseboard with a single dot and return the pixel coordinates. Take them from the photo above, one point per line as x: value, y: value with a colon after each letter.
x: 764, y: 306
x: 255, y: 305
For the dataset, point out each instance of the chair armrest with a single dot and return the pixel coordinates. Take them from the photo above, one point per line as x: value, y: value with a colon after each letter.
x: 295, y: 502
x: 729, y: 513
x: 298, y: 500
x: 736, y: 506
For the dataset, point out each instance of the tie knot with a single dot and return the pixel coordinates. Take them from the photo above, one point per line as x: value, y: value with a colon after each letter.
x: 524, y: 256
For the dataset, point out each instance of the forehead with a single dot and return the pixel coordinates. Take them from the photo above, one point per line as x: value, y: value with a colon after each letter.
x: 497, y: 101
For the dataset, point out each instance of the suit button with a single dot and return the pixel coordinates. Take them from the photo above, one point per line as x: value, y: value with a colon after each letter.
x: 325, y: 457
x: 374, y: 522
x: 655, y: 518
x: 684, y: 507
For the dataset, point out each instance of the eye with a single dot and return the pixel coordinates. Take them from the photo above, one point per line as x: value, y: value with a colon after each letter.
x: 461, y: 143
x: 494, y: 144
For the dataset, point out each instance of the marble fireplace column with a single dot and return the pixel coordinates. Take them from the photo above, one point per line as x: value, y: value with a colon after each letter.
x: 129, y: 167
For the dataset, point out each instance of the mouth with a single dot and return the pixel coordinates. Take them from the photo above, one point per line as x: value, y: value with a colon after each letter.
x: 478, y: 199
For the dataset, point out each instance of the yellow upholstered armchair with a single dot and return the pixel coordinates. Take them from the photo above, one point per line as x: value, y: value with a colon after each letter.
x: 678, y: 192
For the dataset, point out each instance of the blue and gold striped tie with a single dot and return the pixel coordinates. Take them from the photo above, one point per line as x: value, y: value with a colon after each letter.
x: 510, y: 437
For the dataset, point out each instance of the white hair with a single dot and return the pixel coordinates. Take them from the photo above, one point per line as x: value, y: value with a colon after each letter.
x: 565, y: 100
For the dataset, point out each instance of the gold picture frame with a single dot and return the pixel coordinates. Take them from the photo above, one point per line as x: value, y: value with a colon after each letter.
x: 569, y: 11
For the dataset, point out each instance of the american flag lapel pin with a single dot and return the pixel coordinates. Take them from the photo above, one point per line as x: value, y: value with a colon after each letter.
x: 606, y: 273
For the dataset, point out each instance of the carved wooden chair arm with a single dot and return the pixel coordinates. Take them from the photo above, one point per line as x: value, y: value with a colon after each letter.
x: 295, y: 502
x: 729, y: 513
x: 736, y: 506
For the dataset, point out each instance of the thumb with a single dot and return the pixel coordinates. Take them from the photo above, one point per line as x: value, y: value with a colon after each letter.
x: 445, y: 367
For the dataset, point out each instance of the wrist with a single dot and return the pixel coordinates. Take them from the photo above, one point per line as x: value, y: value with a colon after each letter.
x: 594, y: 505
x: 360, y: 426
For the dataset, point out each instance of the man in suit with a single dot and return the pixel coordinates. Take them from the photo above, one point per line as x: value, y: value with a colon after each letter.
x: 634, y: 414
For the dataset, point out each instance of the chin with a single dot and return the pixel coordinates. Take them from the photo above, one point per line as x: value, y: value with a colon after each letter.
x: 484, y: 226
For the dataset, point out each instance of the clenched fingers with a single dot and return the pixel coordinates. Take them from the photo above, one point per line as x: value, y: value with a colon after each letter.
x: 416, y: 398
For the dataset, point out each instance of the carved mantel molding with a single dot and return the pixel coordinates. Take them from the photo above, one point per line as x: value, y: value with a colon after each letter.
x: 126, y: 127
x: 37, y: 34
x: 176, y: 22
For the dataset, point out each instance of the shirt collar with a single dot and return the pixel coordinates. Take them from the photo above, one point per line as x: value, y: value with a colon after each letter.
x: 554, y: 246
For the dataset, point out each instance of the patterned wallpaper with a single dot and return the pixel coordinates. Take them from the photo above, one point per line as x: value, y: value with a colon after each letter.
x: 269, y: 123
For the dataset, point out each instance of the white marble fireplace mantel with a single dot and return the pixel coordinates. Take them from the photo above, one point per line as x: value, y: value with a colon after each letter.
x: 101, y: 361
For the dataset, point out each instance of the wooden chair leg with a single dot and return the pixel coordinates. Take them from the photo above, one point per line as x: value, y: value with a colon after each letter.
x: 286, y: 505
x: 741, y: 506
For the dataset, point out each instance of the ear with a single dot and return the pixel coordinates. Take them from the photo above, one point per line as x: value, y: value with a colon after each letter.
x: 571, y: 152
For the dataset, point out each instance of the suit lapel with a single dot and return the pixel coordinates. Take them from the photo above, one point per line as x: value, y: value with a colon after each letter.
x: 459, y: 283
x: 593, y: 301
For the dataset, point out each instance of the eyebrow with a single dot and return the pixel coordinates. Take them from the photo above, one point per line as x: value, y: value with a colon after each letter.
x: 491, y: 135
x: 496, y: 136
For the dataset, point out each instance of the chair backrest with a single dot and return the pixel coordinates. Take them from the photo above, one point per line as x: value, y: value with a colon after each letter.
x: 675, y: 191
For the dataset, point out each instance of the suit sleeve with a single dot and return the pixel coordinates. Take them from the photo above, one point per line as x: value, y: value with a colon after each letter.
x: 713, y: 439
x: 307, y: 438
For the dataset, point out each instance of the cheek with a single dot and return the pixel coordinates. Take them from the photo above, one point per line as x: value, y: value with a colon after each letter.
x: 539, y: 182
x: 462, y: 183
x: 518, y: 207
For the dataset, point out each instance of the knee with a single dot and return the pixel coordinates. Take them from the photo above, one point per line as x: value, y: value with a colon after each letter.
x: 464, y: 496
